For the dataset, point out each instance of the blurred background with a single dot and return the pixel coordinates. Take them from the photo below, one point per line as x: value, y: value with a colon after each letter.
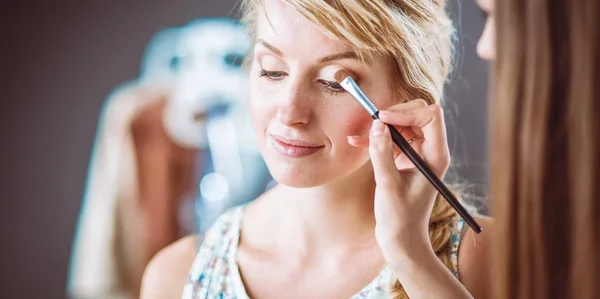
x: 92, y: 90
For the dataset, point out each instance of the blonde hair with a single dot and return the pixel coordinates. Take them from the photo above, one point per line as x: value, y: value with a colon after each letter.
x: 416, y: 37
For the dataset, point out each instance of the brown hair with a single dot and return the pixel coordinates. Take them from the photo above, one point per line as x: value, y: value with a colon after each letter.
x: 416, y: 37
x: 545, y: 174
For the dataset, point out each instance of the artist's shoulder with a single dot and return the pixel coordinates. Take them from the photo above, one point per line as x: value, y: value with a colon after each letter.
x: 474, y: 258
x: 167, y: 272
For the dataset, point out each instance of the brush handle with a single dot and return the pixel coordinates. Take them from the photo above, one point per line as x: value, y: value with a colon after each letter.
x: 435, y: 181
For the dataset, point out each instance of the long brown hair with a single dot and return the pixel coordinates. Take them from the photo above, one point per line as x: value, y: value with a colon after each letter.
x: 546, y: 149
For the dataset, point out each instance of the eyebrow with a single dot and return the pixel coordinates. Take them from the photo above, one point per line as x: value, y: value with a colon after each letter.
x: 270, y: 47
x: 338, y: 56
x: 344, y: 55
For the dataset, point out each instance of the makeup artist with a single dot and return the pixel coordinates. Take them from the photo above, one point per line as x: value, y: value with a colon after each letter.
x: 545, y: 155
x: 350, y: 218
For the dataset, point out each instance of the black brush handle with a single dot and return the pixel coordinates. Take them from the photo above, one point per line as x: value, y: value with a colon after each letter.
x: 414, y: 157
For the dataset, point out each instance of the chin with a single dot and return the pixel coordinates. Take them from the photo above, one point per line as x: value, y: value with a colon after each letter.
x: 296, y: 176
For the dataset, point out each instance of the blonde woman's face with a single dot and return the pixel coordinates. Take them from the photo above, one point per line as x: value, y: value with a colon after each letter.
x: 301, y: 116
x: 486, y: 47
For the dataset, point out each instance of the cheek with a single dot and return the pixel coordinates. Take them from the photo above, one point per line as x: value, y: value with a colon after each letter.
x: 348, y: 120
x: 357, y: 122
x: 261, y: 109
x: 354, y: 122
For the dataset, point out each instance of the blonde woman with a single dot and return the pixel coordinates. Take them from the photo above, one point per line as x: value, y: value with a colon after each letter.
x: 350, y: 217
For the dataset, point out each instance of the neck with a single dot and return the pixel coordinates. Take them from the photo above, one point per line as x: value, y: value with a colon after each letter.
x: 334, y: 216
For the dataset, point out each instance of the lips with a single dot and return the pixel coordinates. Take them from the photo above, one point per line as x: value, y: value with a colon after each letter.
x: 294, y: 148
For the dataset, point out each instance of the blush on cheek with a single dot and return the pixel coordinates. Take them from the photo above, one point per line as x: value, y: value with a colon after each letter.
x: 357, y: 123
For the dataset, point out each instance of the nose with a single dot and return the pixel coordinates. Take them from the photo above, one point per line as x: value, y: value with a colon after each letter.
x: 486, y: 47
x: 295, y: 106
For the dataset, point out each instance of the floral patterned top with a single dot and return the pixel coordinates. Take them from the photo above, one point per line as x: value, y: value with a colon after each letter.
x: 214, y: 273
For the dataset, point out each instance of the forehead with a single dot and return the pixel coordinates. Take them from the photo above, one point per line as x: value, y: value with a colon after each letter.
x: 283, y: 26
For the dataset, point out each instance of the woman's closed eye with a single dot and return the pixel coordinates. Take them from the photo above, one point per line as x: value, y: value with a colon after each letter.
x: 332, y: 87
x: 274, y: 76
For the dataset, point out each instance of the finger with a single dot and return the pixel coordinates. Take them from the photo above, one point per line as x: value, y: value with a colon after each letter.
x: 430, y: 120
x: 382, y: 155
x: 410, y: 118
x: 394, y: 113
x: 363, y: 141
x: 358, y: 141
x: 403, y: 163
x: 410, y: 105
x: 434, y: 132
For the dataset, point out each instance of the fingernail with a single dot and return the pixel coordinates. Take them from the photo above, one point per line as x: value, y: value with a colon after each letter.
x: 383, y: 113
x: 377, y: 128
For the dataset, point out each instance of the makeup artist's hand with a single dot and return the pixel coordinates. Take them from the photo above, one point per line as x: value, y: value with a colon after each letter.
x: 404, y: 198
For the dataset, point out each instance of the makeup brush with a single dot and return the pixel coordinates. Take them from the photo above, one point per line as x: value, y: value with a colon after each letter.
x: 344, y: 78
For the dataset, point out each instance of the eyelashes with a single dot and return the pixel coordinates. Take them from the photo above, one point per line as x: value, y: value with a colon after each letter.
x: 332, y: 87
x: 273, y: 76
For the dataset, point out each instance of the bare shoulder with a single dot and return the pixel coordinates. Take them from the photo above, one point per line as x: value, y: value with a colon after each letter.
x: 167, y: 272
x: 474, y: 259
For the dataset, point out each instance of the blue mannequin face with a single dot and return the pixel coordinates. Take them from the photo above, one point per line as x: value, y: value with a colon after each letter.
x: 209, y: 76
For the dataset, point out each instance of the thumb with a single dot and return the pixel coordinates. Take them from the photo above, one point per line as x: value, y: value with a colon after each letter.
x: 382, y: 154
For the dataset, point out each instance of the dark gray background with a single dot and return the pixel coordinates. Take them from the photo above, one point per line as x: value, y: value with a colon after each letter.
x: 60, y: 59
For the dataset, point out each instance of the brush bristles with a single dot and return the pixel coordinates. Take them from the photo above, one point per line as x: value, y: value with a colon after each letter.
x: 341, y: 75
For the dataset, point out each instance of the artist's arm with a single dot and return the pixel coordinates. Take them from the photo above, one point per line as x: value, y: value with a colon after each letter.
x: 423, y: 275
x: 404, y: 201
x: 157, y: 203
x: 167, y: 273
